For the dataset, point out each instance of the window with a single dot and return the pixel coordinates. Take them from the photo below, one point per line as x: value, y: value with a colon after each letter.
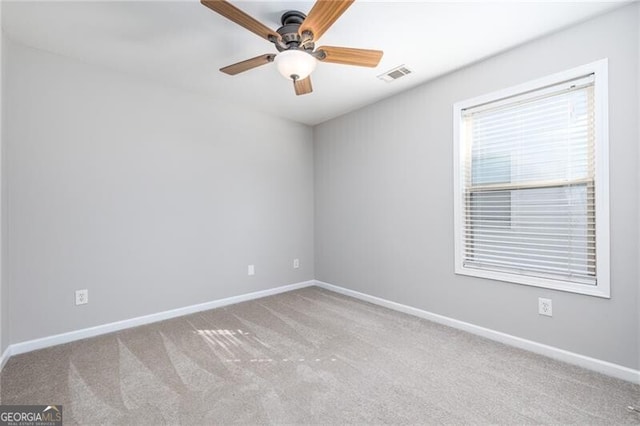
x: 531, y: 183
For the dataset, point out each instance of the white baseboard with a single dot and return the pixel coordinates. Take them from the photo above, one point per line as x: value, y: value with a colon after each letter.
x: 604, y: 367
x: 58, y: 339
x: 5, y: 357
x: 594, y: 364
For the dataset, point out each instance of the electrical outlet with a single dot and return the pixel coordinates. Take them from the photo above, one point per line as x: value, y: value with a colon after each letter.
x: 296, y: 263
x: 251, y: 270
x: 545, y: 307
x: 82, y: 297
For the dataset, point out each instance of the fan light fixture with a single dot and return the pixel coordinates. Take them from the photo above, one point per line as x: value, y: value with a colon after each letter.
x: 295, y: 64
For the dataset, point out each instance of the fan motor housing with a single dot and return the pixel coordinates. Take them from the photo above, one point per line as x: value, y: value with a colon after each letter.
x: 291, y: 21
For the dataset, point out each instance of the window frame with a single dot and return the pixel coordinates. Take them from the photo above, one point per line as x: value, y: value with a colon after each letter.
x: 600, y: 71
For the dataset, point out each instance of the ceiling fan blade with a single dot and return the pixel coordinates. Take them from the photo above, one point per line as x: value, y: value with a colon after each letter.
x: 243, y: 66
x: 350, y: 56
x: 303, y: 86
x: 236, y: 15
x: 322, y: 15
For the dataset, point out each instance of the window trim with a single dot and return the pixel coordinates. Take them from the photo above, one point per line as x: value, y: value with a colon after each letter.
x: 600, y: 71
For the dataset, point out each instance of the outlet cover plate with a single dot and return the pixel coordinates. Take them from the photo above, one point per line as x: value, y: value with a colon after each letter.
x: 545, y: 307
x: 82, y: 297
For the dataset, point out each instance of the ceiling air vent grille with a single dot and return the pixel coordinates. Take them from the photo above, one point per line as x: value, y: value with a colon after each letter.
x: 394, y: 74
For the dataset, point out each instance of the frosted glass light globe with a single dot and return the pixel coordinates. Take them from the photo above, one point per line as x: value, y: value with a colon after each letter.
x: 295, y: 64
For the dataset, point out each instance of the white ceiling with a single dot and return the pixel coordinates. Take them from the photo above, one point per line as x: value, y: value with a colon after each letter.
x: 183, y: 44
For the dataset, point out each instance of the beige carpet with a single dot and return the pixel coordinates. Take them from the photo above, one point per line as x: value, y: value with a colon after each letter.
x: 309, y: 356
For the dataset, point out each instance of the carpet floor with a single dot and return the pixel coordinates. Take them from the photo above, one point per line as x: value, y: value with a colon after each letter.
x: 309, y: 356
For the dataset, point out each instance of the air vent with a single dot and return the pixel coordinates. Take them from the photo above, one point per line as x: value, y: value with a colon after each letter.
x: 394, y: 74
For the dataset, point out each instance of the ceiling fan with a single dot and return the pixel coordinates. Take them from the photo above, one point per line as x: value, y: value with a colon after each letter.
x: 295, y: 41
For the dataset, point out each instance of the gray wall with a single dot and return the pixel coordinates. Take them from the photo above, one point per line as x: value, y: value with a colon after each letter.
x: 638, y: 175
x: 384, y: 198
x: 151, y: 198
x: 3, y: 323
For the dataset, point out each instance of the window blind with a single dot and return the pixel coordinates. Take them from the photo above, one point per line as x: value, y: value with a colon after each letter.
x: 528, y: 184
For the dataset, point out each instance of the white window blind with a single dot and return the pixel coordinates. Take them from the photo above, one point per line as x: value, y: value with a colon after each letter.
x: 528, y: 178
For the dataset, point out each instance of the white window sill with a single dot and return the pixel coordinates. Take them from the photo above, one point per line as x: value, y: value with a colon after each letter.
x: 586, y: 289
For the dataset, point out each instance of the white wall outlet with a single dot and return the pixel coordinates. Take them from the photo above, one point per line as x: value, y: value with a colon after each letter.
x: 545, y: 307
x: 251, y: 270
x: 296, y: 263
x: 82, y: 297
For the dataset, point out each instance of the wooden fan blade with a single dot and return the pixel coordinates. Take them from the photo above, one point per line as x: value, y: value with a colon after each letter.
x: 236, y: 15
x: 243, y: 66
x: 350, y: 56
x: 303, y: 86
x: 322, y: 15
